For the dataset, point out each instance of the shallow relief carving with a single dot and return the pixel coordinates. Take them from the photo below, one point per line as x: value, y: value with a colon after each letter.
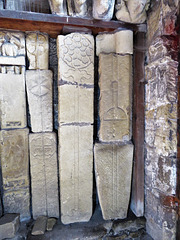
x: 37, y: 46
x: 58, y: 7
x: 103, y: 9
x: 79, y: 8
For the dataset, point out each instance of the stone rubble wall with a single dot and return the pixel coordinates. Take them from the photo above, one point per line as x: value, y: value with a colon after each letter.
x: 161, y: 120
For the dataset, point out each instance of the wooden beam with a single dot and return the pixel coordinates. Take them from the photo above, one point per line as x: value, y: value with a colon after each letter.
x: 137, y: 194
x: 53, y: 24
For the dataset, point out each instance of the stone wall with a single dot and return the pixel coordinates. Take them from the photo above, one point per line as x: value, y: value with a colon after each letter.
x: 161, y: 120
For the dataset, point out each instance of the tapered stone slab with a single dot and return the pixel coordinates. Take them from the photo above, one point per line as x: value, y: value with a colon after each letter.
x: 37, y: 46
x: 76, y: 163
x: 115, y: 97
x: 12, y: 48
x: 9, y: 225
x: 39, y: 91
x: 12, y: 101
x: 50, y: 224
x: 39, y: 227
x: 44, y: 180
x: 113, y: 168
x: 15, y: 171
x: 121, y: 42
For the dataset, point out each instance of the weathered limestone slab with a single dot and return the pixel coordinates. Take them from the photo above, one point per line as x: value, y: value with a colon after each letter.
x: 39, y: 92
x: 76, y: 59
x: 121, y: 42
x: 12, y: 48
x: 39, y: 227
x: 132, y: 11
x: 1, y: 4
x: 37, y: 46
x: 44, y: 180
x: 79, y: 8
x: 115, y: 97
x: 15, y: 171
x: 58, y: 7
x: 12, y: 101
x: 9, y: 225
x: 113, y: 167
x: 103, y: 9
x: 50, y: 223
x: 75, y: 104
x: 76, y: 163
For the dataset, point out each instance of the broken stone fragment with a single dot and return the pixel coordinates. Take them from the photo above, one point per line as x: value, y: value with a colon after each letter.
x: 113, y: 168
x: 78, y: 8
x: 9, y: 225
x: 58, y: 7
x: 121, y: 42
x: 37, y: 46
x: 15, y: 171
x: 12, y: 101
x: 44, y: 180
x: 132, y: 11
x: 39, y: 227
x: 50, y: 224
x: 103, y: 9
x: 39, y: 93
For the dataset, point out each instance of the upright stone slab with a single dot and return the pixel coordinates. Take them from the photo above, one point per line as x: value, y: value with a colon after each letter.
x: 12, y: 101
x: 115, y: 97
x: 39, y: 92
x: 58, y: 7
x: 103, y: 9
x: 113, y: 167
x: 15, y: 171
x: 37, y: 46
x: 44, y: 180
x: 79, y: 8
x: 76, y: 91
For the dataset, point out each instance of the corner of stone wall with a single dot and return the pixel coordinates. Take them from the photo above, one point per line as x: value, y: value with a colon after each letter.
x: 161, y: 120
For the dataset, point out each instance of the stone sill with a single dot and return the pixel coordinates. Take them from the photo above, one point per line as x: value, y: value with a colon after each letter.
x: 54, y: 24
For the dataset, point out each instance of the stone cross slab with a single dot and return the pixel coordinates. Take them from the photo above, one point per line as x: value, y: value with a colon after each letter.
x: 76, y: 93
x: 15, y: 171
x: 39, y: 92
x: 44, y: 180
x: 113, y: 168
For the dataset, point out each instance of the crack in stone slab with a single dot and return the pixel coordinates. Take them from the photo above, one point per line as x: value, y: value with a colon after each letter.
x: 63, y: 82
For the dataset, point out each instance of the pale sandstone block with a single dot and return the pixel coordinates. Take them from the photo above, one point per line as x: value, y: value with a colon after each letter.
x: 76, y: 163
x: 37, y: 45
x: 39, y: 92
x: 44, y: 180
x: 76, y: 104
x: 113, y: 168
x: 120, y: 42
x: 9, y: 225
x: 76, y: 59
x: 15, y: 171
x: 103, y: 9
x: 78, y: 8
x: 39, y: 227
x: 115, y: 97
x: 12, y: 101
x: 12, y: 48
x: 132, y: 11
x: 58, y: 7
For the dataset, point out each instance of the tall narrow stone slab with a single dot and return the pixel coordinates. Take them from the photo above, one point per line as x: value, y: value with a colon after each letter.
x: 37, y: 46
x: 76, y: 92
x: 113, y: 167
x: 39, y: 92
x: 75, y: 154
x: 115, y: 97
x: 12, y: 101
x: 15, y: 171
x: 44, y: 180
